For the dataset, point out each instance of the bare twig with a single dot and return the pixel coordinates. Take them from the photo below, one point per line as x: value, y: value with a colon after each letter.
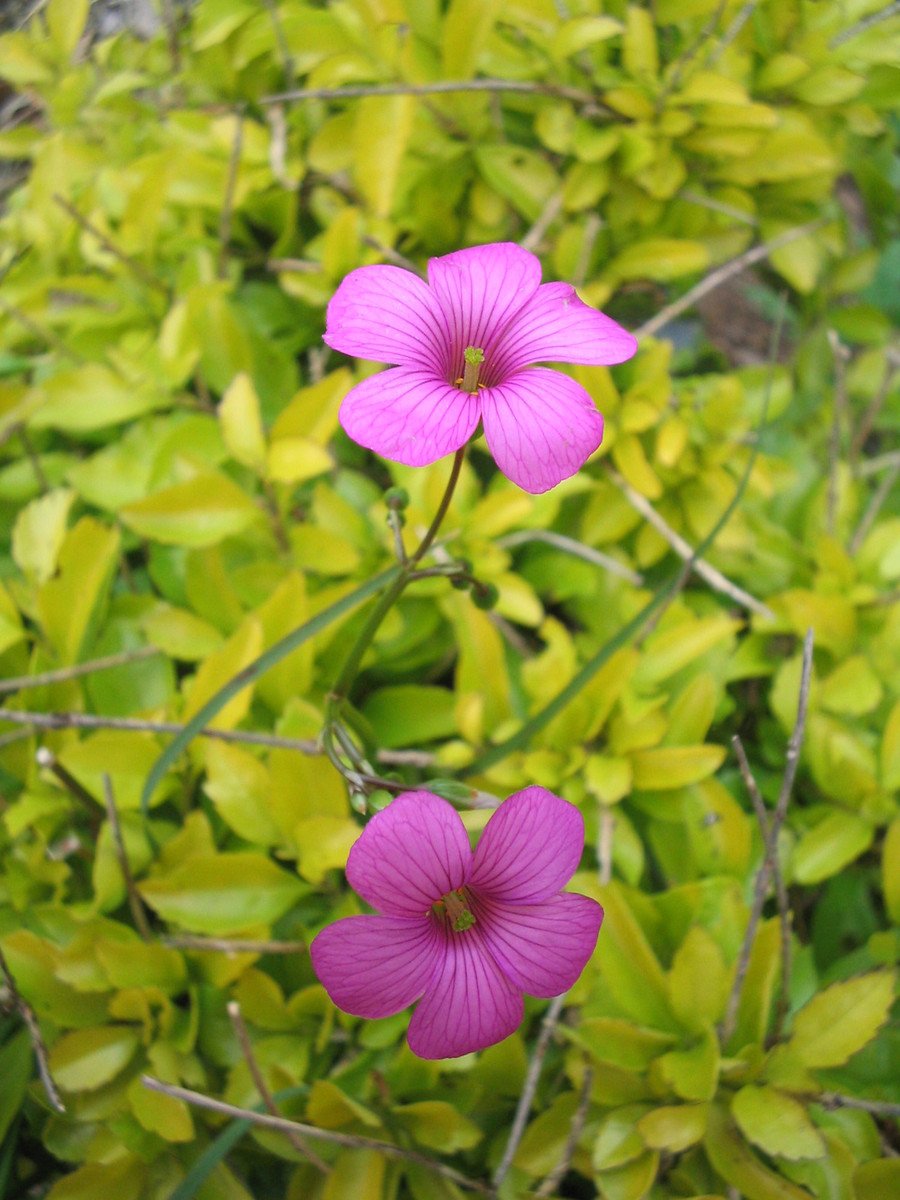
x: 721, y: 274
x: 770, y: 842
x: 21, y: 683
x: 727, y: 210
x: 26, y: 1012
x: 840, y: 355
x: 234, y: 162
x: 741, y: 18
x: 137, y: 269
x: 716, y: 580
x: 870, y: 416
x: 311, y: 1131
x: 443, y: 87
x: 45, y: 758
x: 593, y: 223
x: 392, y: 255
x: 684, y: 60
x: 547, y: 216
x: 878, y: 1108
x: 523, y: 1108
x: 890, y: 10
x: 552, y: 1181
x: 571, y: 546
x: 881, y: 462
x: 190, y: 941
x: 297, y: 266
x: 40, y: 332
x: 278, y: 145
x: 240, y: 1029
x: 287, y: 61
x: 135, y: 904
x: 874, y: 508
x: 171, y: 23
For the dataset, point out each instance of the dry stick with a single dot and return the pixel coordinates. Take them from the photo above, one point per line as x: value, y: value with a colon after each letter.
x: 871, y: 414
x: 878, y: 1108
x: 592, y: 225
x: 45, y: 758
x: 727, y: 210
x: 721, y: 274
x: 21, y: 683
x: 716, y: 580
x: 287, y: 61
x: 784, y: 912
x: 137, y: 269
x: 39, y: 332
x: 190, y: 941
x: 135, y: 904
x: 764, y: 873
x: 17, y: 735
x: 874, y: 507
x: 284, y: 1125
x: 234, y: 162
x: 732, y: 31
x: 684, y: 60
x: 840, y: 355
x: 551, y: 1181
x: 443, y: 87
x: 571, y: 546
x: 530, y: 1087
x: 881, y: 462
x: 866, y: 23
x: 551, y: 211
x: 171, y: 22
x: 394, y: 256
x: 26, y: 1012
x: 237, y: 1023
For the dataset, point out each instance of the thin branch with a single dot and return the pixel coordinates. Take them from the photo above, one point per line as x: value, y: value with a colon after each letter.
x: 21, y: 683
x: 135, y: 904
x: 287, y: 61
x: 137, y: 269
x: 870, y: 416
x: 593, y: 223
x: 45, y: 758
x: 684, y: 60
x: 40, y: 332
x: 874, y: 508
x: 74, y: 720
x: 297, y: 266
x: 890, y: 10
x: 190, y: 941
x: 444, y: 87
x: 234, y: 162
x: 547, y: 216
x: 240, y: 1029
x: 770, y: 841
x: 878, y: 1108
x: 740, y: 20
x: 171, y: 23
x: 552, y: 1181
x: 571, y: 546
x: 548, y: 1025
x: 26, y: 1012
x: 718, y: 206
x: 311, y: 1131
x: 721, y: 274
x: 881, y: 462
x: 840, y: 354
x: 716, y: 580
x: 33, y: 458
x: 392, y: 255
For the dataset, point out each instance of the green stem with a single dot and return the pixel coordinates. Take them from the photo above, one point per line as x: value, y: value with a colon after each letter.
x: 341, y: 687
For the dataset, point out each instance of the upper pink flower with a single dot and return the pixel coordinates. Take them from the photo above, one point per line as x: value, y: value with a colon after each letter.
x: 468, y: 933
x: 540, y: 425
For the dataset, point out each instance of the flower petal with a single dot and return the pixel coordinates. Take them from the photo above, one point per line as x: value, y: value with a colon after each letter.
x: 542, y: 948
x: 375, y: 966
x: 389, y: 315
x: 541, y: 427
x: 480, y: 290
x: 468, y: 1004
x: 409, y: 855
x: 555, y: 326
x: 530, y: 848
x: 409, y: 416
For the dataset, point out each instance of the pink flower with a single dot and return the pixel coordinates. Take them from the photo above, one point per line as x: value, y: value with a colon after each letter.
x: 468, y: 933
x: 463, y: 345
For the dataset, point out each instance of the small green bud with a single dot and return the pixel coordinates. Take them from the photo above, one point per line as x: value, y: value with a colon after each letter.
x: 484, y: 595
x: 397, y: 498
x: 462, y: 583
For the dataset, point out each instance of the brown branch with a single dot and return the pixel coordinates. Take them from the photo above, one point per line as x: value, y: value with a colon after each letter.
x: 26, y: 1012
x: 237, y: 1023
x: 840, y: 354
x: 444, y: 87
x: 727, y: 210
x: 878, y: 1108
x: 870, y: 416
x: 740, y: 20
x: 552, y: 1181
x: 135, y: 904
x: 874, y: 508
x: 234, y: 163
x: 171, y: 23
x: 190, y: 941
x: 137, y: 269
x: 523, y: 1108
x: 21, y: 683
x: 890, y: 10
x: 546, y: 217
x: 770, y: 843
x: 283, y: 1125
x: 721, y: 274
x: 716, y: 580
x: 45, y: 758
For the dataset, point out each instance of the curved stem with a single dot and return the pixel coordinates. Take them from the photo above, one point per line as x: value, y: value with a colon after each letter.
x: 348, y: 672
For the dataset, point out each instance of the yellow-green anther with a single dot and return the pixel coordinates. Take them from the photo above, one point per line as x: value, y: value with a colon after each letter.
x: 474, y: 357
x: 464, y: 921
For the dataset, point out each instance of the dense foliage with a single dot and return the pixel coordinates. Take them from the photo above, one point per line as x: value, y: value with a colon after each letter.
x: 175, y: 491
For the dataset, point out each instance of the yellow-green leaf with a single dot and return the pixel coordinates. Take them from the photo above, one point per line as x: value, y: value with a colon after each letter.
x: 85, y: 1059
x: 439, y: 1125
x: 241, y: 423
x: 842, y: 1019
x: 666, y: 767
x: 659, y: 258
x: 39, y: 532
x: 776, y: 1122
x: 381, y: 133
x: 199, y: 512
x: 674, y: 1127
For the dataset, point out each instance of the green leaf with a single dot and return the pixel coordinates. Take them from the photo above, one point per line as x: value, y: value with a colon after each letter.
x: 161, y: 1114
x: 829, y: 846
x: 222, y: 894
x: 890, y: 870
x: 324, y: 843
x: 356, y: 1173
x: 439, y: 1125
x: 242, y: 429
x: 666, y: 767
x: 409, y: 714
x: 70, y: 604
x: 877, y: 1180
x: 776, y: 1123
x: 674, y: 1127
x: 840, y: 1020
x: 82, y: 399
x: 381, y: 133
x: 733, y: 1159
x: 87, y: 1058
x: 467, y: 27
x: 659, y: 258
x: 199, y: 512
x: 693, y: 1074
x: 66, y: 20
x: 39, y: 532
x: 15, y: 1070
x: 617, y: 1140
x: 699, y: 981
x: 521, y: 176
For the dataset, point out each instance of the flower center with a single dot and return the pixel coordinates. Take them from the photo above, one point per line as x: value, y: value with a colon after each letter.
x: 454, y: 908
x: 473, y: 357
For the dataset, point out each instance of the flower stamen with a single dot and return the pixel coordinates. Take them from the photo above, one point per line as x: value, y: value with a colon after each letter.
x: 474, y: 357
x: 456, y: 907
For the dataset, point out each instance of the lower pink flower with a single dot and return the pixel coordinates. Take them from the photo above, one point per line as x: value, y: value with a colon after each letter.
x: 464, y: 933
